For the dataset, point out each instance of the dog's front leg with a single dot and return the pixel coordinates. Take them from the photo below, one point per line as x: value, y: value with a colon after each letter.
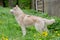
x: 23, y: 30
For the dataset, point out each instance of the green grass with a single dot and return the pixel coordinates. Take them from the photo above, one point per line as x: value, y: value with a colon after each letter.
x: 9, y: 27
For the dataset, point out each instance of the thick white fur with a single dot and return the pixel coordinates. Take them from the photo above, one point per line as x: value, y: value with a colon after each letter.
x: 25, y: 20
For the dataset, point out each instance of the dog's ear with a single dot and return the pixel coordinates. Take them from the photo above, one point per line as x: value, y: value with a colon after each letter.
x: 16, y: 5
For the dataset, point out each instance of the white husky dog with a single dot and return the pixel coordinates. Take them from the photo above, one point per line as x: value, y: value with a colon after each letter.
x: 25, y: 20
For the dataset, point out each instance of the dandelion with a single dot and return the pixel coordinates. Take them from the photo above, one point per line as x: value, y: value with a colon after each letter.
x: 6, y: 38
x: 3, y: 37
x: 58, y: 34
x: 44, y: 34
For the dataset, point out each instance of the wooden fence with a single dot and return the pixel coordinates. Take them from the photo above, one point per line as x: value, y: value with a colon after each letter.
x: 52, y: 7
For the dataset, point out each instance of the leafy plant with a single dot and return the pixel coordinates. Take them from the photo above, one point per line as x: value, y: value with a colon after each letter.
x: 24, y: 3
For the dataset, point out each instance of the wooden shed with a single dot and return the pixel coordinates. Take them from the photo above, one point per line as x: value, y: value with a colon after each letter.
x: 52, y: 7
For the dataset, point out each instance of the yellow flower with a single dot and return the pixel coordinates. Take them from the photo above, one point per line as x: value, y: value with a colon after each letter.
x: 44, y: 34
x: 6, y: 38
x: 3, y: 38
x: 58, y: 34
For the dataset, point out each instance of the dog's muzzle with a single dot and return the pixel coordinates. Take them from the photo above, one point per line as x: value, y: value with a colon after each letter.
x: 11, y: 11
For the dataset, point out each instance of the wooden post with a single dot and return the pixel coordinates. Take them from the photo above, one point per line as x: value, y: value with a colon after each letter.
x: 43, y: 5
x: 36, y: 5
x: 33, y: 7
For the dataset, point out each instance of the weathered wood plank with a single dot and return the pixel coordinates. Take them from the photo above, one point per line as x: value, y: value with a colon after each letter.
x: 52, y: 7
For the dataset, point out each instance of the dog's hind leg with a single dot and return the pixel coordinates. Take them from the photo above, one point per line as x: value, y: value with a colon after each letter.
x: 39, y: 26
x: 45, y: 28
x: 23, y: 30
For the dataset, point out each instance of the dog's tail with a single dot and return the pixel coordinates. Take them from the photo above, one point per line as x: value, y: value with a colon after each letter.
x: 49, y: 22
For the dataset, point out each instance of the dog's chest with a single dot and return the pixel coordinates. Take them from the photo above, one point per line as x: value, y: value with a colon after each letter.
x: 19, y: 19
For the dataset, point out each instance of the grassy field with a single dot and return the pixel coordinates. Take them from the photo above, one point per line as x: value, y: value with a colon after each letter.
x: 10, y: 30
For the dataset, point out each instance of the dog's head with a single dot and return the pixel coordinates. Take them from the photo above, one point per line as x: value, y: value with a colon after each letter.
x: 16, y: 10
